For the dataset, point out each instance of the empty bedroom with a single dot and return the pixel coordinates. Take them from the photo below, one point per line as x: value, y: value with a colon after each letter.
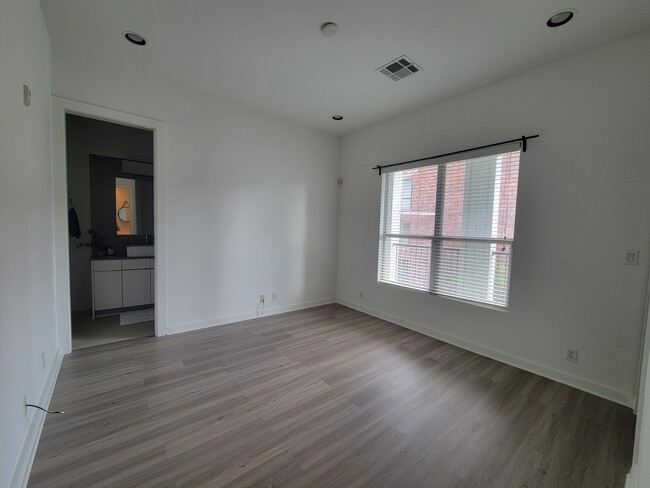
x: 286, y: 243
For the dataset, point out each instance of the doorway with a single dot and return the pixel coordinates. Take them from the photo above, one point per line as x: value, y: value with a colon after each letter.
x: 60, y: 108
x: 110, y: 170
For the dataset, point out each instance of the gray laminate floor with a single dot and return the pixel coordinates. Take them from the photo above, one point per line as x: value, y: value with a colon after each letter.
x: 325, y: 397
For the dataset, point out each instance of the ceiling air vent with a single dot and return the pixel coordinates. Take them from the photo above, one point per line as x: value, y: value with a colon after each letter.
x: 399, y: 68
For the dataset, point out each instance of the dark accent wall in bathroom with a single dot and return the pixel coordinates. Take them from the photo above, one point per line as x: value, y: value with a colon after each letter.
x: 103, y: 171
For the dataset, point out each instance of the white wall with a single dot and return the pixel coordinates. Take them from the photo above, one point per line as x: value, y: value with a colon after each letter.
x: 251, y: 199
x: 84, y: 137
x: 641, y: 469
x: 583, y: 200
x: 639, y: 475
x: 27, y: 325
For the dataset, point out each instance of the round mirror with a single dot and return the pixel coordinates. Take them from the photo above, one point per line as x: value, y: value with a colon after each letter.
x: 122, y: 214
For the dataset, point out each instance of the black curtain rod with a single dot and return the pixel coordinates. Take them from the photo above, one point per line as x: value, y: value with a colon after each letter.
x: 522, y: 139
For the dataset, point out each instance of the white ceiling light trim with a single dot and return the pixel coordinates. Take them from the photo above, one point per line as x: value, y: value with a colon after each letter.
x: 134, y: 38
x: 329, y: 29
x: 561, y: 17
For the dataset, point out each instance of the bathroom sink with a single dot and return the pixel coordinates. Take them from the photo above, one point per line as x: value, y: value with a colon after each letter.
x: 140, y: 251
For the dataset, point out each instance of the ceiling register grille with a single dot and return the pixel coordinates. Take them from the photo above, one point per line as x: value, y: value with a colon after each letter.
x: 399, y: 68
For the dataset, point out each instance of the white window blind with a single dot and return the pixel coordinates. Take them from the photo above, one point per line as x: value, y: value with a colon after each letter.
x: 455, y: 237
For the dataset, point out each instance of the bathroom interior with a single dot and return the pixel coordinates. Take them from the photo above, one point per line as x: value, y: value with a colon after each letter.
x: 110, y: 170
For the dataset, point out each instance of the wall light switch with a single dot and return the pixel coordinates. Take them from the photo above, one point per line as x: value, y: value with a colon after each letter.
x: 631, y: 257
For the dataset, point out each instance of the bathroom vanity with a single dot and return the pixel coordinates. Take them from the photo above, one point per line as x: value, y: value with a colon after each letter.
x: 120, y: 284
x: 122, y: 220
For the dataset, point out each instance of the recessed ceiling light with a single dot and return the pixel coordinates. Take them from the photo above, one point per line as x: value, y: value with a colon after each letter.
x: 561, y: 17
x: 337, y: 117
x: 329, y: 29
x: 134, y: 38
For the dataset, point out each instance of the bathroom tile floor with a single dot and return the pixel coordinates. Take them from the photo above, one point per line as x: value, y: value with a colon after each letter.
x: 87, y: 332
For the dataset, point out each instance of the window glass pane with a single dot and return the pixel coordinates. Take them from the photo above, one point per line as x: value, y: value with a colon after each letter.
x: 507, y: 183
x: 454, y: 198
x: 421, y: 213
x: 405, y: 262
x: 480, y: 197
x: 477, y: 271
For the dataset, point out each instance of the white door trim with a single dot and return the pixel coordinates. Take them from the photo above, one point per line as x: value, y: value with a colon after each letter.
x: 61, y: 107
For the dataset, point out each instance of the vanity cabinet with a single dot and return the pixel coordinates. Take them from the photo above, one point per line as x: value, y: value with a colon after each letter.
x: 122, y: 283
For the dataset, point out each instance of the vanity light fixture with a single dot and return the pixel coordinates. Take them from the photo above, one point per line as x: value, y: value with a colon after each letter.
x: 560, y: 18
x: 134, y: 38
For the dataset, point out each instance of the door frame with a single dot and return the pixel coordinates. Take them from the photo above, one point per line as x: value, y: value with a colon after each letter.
x: 60, y: 108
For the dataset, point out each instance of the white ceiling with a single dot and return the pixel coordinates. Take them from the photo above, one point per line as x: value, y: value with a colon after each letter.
x: 271, y: 55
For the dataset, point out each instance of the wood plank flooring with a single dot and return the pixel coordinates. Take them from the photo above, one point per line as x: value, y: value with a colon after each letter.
x: 324, y: 397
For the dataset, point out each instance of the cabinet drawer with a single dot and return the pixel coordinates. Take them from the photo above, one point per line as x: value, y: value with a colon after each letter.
x: 136, y: 263
x: 107, y: 265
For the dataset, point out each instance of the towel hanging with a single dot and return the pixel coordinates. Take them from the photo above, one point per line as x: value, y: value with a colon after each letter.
x: 74, y: 229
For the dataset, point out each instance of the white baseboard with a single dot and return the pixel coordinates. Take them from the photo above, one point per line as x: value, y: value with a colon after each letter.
x: 26, y: 459
x: 518, y: 362
x: 229, y: 319
x: 631, y: 480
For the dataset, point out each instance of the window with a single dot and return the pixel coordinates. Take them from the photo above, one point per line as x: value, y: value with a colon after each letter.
x: 407, y: 189
x: 455, y: 235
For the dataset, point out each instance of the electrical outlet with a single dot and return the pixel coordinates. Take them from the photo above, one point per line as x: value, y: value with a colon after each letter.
x: 262, y: 298
x: 360, y: 294
x: 571, y: 354
x: 274, y: 297
x: 43, y: 360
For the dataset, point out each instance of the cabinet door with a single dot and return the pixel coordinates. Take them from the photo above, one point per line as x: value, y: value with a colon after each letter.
x: 136, y: 287
x: 108, y: 289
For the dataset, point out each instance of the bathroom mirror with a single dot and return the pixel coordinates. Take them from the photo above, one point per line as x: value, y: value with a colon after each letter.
x: 133, y: 206
x: 123, y: 214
